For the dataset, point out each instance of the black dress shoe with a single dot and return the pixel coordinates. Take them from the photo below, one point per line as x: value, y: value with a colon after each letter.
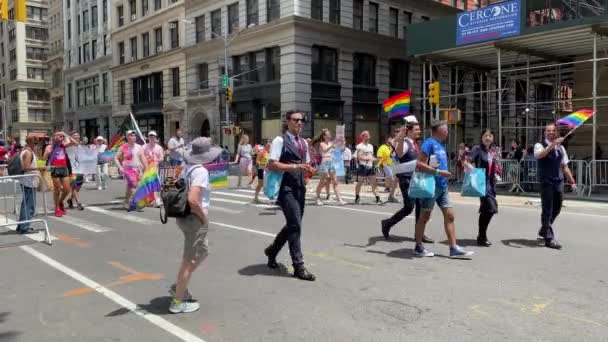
x: 357, y: 199
x: 553, y: 244
x: 378, y: 201
x: 302, y: 273
x: 483, y: 242
x: 385, y: 229
x: 427, y: 239
x: 272, y: 260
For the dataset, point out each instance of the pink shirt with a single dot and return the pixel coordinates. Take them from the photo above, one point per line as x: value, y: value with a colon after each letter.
x: 153, y: 153
x: 130, y: 155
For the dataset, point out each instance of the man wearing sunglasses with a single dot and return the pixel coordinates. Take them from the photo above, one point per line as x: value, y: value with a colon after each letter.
x: 289, y: 154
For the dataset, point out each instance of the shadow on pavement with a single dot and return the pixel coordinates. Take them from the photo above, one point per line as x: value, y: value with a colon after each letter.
x: 403, y: 253
x: 375, y: 239
x: 157, y: 306
x: 520, y: 243
x: 462, y: 242
x: 262, y: 269
x: 7, y: 335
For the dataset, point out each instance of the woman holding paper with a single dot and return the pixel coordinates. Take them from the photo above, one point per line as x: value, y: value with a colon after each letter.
x: 102, y: 165
x: 483, y: 156
x: 327, y: 171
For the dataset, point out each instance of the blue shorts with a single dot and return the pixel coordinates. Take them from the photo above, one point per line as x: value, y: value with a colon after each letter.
x: 442, y: 198
x: 327, y: 166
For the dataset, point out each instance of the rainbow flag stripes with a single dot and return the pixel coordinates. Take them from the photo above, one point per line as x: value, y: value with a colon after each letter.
x: 398, y: 105
x: 576, y: 119
x: 218, y: 174
x: 144, y: 193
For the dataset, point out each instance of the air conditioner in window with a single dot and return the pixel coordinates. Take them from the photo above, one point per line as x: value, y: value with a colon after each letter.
x: 133, y: 17
x: 172, y: 25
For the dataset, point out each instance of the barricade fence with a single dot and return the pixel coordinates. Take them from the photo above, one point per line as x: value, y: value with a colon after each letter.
x: 13, y: 192
x: 598, y: 174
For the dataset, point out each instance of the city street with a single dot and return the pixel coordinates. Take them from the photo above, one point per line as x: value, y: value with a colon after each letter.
x: 106, y: 276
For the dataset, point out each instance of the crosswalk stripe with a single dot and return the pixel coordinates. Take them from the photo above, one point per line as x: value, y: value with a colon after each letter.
x: 225, y: 200
x: 123, y: 216
x: 83, y: 224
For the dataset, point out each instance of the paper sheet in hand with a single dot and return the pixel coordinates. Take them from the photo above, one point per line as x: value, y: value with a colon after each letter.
x: 408, y: 167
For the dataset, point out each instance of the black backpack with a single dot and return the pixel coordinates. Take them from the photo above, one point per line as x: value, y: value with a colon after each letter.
x: 15, y: 165
x: 175, y: 198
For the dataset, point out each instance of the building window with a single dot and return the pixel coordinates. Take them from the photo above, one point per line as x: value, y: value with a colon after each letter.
x: 133, y: 49
x: 399, y: 74
x: 78, y: 22
x: 175, y: 81
x: 316, y: 9
x: 133, y: 9
x: 324, y: 64
x: 34, y: 53
x: 35, y: 73
x: 373, y: 17
x: 121, y: 92
x: 69, y: 29
x: 37, y: 33
x: 145, y: 42
x: 394, y: 22
x: 158, y: 39
x: 12, y: 55
x: 174, y: 31
x: 104, y: 10
x: 79, y: 55
x: 85, y: 21
x: 120, y: 12
x: 203, y: 76
x: 37, y: 13
x: 233, y: 18
x: 364, y: 69
x: 94, y: 17
x: 94, y: 50
x: 273, y: 59
x: 104, y: 87
x: 87, y: 52
x: 273, y: 10
x: 144, y: 7
x: 157, y: 5
x: 252, y: 12
x: 216, y: 23
x: 200, y: 29
x: 105, y: 45
x: 334, y: 12
x: 358, y: 14
x: 87, y: 91
x: 69, y: 91
x: 121, y: 53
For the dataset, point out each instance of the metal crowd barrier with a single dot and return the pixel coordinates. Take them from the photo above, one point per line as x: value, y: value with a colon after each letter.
x: 528, y: 174
x: 509, y: 174
x: 47, y: 235
x: 598, y: 175
x: 580, y: 171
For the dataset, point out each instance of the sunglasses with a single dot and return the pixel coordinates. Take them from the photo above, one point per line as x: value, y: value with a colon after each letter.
x: 298, y: 120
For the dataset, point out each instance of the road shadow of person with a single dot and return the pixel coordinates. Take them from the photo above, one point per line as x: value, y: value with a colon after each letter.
x: 264, y: 270
x: 7, y: 335
x: 520, y: 243
x: 403, y: 253
x: 375, y: 239
x: 462, y: 242
x: 157, y: 306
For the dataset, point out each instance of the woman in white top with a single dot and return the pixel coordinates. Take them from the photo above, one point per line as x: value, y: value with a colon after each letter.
x: 102, y: 165
x: 28, y: 185
x: 244, y: 158
x: 327, y: 171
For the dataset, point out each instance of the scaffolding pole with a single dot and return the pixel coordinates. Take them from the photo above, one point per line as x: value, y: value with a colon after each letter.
x: 527, y: 109
x: 499, y: 98
x: 424, y: 100
x: 594, y: 95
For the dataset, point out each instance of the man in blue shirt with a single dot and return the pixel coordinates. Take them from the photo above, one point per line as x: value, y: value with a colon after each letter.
x: 433, y: 159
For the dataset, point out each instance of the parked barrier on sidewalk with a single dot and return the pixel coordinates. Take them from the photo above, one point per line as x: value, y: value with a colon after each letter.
x: 528, y: 174
x: 598, y: 174
x: 509, y: 173
x: 12, y: 193
x: 580, y: 172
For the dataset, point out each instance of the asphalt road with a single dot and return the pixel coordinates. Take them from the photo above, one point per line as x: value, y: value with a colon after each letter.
x: 105, y: 278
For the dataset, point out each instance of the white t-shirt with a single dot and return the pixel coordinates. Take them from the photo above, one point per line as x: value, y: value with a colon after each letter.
x: 539, y: 147
x: 244, y: 151
x: 30, y: 182
x: 365, y: 150
x: 200, y: 177
x: 277, y: 147
x: 178, y: 153
x: 347, y: 155
x: 101, y: 148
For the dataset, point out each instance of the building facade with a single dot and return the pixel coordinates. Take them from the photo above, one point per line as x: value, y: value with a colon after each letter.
x: 87, y: 62
x: 55, y: 62
x: 337, y: 61
x: 149, y: 64
x: 23, y: 66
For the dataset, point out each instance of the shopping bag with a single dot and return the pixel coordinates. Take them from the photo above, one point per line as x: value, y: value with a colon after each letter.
x: 46, y: 185
x: 272, y: 183
x: 474, y: 184
x: 422, y: 185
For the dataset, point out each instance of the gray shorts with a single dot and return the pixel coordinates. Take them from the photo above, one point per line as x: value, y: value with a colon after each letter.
x: 196, y: 245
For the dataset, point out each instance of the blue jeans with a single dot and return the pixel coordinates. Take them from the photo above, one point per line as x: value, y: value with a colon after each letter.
x: 28, y: 208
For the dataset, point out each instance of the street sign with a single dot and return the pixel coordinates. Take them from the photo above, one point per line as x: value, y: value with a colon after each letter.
x: 225, y: 81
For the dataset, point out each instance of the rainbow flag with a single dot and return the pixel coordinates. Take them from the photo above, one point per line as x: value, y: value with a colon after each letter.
x: 398, y: 105
x: 144, y: 193
x: 576, y: 119
x: 73, y: 180
x: 218, y: 174
x: 107, y: 156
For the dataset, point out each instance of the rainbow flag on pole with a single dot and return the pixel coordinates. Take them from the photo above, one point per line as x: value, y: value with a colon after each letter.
x: 576, y: 119
x: 144, y: 193
x: 218, y: 174
x: 398, y: 105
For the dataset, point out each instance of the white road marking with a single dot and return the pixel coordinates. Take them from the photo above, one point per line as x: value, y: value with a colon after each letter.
x: 122, y: 215
x: 83, y: 224
x: 225, y: 210
x: 115, y: 297
x: 225, y: 200
x: 259, y: 232
x: 363, y: 211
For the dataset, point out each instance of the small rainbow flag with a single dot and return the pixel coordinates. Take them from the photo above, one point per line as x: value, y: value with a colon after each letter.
x: 218, y: 174
x: 73, y: 180
x: 576, y: 119
x: 398, y: 105
x: 107, y: 156
x: 144, y: 193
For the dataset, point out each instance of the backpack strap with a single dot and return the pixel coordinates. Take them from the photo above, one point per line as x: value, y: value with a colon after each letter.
x: 189, y: 173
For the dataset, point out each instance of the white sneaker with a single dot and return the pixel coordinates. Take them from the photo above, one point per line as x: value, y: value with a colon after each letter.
x: 319, y: 202
x: 99, y: 188
x: 183, y: 306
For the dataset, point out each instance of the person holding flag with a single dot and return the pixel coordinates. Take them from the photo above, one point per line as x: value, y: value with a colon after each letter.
x: 154, y: 155
x: 130, y: 161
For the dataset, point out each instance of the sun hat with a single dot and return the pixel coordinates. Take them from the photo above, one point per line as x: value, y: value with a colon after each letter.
x: 202, y: 151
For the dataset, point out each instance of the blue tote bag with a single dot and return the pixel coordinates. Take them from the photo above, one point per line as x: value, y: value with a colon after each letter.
x: 422, y: 185
x: 474, y: 184
x: 272, y: 183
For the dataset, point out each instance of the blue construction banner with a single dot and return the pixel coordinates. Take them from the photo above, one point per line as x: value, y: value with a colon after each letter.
x: 489, y: 23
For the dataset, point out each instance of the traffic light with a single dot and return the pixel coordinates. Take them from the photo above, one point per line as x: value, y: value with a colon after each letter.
x: 229, y: 95
x: 434, y: 93
x: 20, y: 11
x: 3, y: 9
